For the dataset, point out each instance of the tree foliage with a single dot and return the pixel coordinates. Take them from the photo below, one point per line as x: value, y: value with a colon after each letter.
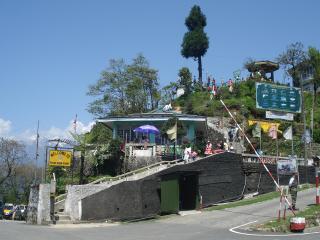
x: 168, y: 92
x: 196, y: 19
x: 17, y: 171
x: 124, y: 89
x: 99, y: 134
x: 195, y: 42
x: 185, y: 80
x: 293, y: 61
x: 18, y: 185
x: 314, y: 58
x: 11, y: 154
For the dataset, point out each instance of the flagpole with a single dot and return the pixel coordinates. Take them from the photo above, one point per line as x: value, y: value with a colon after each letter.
x: 277, y: 143
x: 75, y: 124
x: 175, y: 141
x: 291, y: 140
x: 260, y: 143
x: 37, y: 155
x: 243, y: 140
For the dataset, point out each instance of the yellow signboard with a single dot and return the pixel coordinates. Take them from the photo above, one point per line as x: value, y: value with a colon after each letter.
x: 60, y: 158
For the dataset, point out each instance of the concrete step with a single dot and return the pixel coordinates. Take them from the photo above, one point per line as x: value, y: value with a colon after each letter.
x: 237, y: 147
x: 64, y: 222
x: 188, y: 212
x: 59, y: 206
x: 62, y: 217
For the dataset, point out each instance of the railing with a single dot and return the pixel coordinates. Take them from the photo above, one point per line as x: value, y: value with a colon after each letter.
x: 125, y: 175
x: 140, y: 170
x: 60, y: 197
x: 269, y: 159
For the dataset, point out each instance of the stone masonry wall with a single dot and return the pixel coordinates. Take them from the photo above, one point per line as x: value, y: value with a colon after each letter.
x: 39, y: 205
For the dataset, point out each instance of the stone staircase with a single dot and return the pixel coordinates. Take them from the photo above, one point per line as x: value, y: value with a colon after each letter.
x: 215, y: 124
x: 78, y: 192
x: 62, y: 218
x: 315, y: 151
x: 238, y: 147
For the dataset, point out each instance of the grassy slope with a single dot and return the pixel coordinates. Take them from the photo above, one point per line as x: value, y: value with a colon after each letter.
x: 242, y: 102
x: 311, y: 214
x: 259, y: 198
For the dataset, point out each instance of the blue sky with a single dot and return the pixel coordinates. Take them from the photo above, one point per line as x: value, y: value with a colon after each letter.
x: 51, y: 51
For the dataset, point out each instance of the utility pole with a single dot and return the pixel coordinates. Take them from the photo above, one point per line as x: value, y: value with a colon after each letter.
x: 304, y: 132
x: 81, y: 167
x: 312, y: 118
x: 37, y: 155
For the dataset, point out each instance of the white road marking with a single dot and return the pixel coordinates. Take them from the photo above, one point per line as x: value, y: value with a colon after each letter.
x: 267, y: 235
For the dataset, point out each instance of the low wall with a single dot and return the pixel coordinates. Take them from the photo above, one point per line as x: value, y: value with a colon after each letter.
x: 258, y: 179
x: 76, y: 193
x: 39, y: 205
x: 220, y: 179
x: 122, y: 201
x: 32, y: 212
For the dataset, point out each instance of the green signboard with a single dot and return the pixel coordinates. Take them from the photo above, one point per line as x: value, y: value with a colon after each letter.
x: 278, y: 98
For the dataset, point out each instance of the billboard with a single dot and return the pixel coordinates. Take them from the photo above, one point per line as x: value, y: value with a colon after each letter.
x: 286, y: 167
x: 278, y: 98
x: 61, y: 158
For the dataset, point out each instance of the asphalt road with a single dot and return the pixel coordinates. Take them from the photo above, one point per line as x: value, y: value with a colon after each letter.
x: 222, y: 224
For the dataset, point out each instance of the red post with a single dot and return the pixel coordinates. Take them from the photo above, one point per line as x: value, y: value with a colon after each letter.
x: 280, y: 206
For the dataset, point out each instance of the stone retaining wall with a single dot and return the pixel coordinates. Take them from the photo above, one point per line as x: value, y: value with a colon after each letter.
x: 39, y: 205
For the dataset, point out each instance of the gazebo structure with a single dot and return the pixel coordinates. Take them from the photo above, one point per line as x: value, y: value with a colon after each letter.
x: 263, y: 67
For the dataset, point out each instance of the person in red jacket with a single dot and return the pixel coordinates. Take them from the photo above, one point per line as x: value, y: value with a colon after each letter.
x: 208, y: 150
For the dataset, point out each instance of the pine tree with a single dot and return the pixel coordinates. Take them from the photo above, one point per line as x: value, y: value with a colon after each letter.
x: 195, y: 42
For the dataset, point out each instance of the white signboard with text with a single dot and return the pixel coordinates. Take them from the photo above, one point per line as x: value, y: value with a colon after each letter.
x: 286, y: 167
x: 279, y: 115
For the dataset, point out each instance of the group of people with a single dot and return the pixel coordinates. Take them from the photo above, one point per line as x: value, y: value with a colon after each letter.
x: 192, y: 155
x: 189, y: 155
x: 221, y: 147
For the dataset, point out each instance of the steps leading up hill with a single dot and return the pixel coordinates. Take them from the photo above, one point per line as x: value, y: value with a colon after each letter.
x: 68, y: 203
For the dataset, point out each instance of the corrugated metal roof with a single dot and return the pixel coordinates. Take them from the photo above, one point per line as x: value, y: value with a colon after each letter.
x: 160, y: 116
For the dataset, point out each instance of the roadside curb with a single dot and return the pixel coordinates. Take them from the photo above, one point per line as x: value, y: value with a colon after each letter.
x: 250, y: 232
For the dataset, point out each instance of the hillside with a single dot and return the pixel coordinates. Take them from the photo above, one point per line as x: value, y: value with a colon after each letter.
x: 242, y: 103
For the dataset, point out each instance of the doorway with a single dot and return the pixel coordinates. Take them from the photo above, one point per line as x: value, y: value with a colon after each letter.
x: 179, y: 192
x: 188, y: 188
x: 169, y: 197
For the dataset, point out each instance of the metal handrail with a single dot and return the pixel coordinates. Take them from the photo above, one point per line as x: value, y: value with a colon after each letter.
x: 275, y: 158
x: 60, y: 197
x: 140, y: 170
x: 122, y: 176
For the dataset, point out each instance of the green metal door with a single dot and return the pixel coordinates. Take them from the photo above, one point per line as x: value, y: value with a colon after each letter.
x: 170, y: 195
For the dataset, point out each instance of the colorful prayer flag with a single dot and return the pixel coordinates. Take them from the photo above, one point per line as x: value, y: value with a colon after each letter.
x: 287, y: 134
x: 256, y: 131
x: 273, y: 131
x: 306, y: 137
x: 172, y: 132
x: 265, y: 126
